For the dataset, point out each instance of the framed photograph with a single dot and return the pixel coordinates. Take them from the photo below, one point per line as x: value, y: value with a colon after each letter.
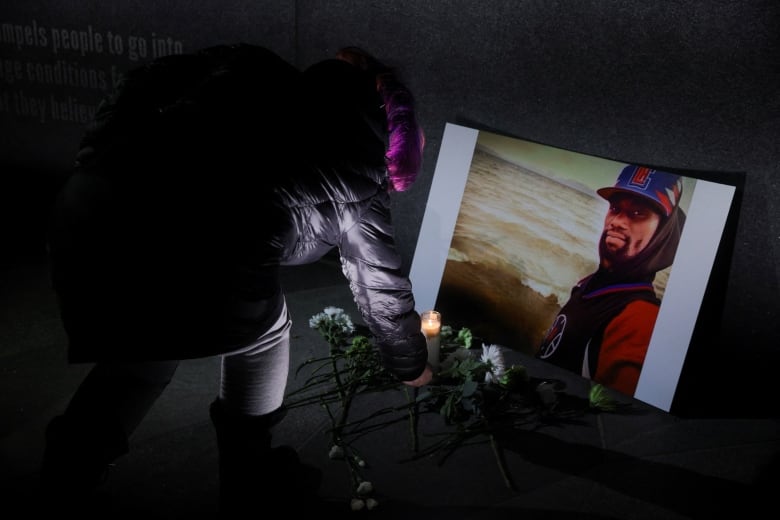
x: 512, y: 226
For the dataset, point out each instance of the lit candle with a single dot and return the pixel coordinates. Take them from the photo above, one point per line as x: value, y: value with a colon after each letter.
x: 431, y: 329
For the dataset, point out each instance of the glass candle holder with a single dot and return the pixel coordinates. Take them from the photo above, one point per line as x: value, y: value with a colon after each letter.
x: 431, y: 329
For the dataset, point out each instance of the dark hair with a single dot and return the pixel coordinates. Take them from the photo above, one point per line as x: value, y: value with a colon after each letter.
x: 406, y: 138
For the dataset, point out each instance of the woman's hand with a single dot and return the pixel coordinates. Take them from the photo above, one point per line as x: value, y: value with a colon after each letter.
x: 423, y: 379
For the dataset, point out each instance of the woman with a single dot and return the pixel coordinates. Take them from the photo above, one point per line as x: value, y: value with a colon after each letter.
x: 198, y: 178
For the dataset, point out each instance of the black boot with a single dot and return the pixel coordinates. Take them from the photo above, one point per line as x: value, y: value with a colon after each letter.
x: 252, y: 474
x: 78, y: 454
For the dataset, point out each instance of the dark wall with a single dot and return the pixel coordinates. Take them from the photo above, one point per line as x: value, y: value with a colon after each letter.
x: 687, y: 84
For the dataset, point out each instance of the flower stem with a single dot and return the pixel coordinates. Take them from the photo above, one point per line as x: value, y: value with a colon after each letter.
x: 413, y: 416
x: 501, y: 463
x: 336, y: 375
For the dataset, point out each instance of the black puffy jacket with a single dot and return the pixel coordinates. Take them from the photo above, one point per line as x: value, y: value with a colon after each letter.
x: 199, y: 177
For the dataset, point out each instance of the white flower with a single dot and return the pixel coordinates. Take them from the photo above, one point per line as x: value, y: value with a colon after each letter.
x: 546, y: 392
x: 371, y: 503
x: 356, y: 504
x: 333, y: 317
x: 336, y: 452
x: 333, y: 312
x: 365, y: 488
x: 316, y: 320
x: 494, y: 359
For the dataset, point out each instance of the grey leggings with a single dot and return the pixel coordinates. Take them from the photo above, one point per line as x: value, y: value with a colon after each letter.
x: 253, y: 381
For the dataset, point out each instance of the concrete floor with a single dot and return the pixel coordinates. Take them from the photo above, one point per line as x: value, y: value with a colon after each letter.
x: 641, y: 464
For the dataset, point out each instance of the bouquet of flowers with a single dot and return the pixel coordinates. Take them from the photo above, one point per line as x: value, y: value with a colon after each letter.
x: 474, y: 391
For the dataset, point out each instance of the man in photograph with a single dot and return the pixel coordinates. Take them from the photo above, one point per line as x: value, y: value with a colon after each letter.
x: 603, y: 331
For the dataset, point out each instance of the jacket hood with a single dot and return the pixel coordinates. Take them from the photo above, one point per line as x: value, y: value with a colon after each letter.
x: 658, y: 255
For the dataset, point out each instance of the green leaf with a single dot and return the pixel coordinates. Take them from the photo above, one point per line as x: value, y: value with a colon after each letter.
x: 446, y: 332
x: 600, y: 399
x: 469, y: 365
x: 464, y: 337
x: 469, y: 387
x: 424, y: 395
x: 516, y: 376
x: 446, y: 409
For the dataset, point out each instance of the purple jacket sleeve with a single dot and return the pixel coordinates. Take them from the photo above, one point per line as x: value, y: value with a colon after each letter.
x: 382, y: 292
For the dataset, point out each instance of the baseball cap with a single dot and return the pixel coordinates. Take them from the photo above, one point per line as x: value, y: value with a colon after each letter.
x: 662, y: 188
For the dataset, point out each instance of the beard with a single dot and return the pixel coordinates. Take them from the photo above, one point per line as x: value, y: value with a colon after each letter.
x: 612, y: 255
x: 619, y: 264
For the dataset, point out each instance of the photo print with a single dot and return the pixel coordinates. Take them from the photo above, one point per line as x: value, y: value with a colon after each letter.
x: 512, y: 226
